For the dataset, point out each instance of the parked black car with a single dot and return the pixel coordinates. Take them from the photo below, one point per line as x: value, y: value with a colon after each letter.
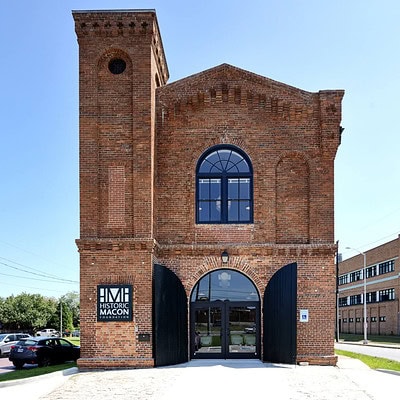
x: 43, y: 351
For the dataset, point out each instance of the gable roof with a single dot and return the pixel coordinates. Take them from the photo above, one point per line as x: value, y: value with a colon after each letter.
x: 233, y: 75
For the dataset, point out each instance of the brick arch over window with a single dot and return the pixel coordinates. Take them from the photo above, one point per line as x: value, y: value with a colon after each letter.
x: 292, y: 199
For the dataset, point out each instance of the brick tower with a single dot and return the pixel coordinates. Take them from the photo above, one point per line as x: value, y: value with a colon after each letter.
x: 121, y: 62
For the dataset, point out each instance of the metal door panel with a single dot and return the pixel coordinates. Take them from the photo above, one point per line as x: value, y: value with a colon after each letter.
x: 170, y: 342
x: 280, y: 303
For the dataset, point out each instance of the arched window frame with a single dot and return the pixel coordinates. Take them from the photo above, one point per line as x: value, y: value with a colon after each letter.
x: 225, y: 202
x: 225, y: 284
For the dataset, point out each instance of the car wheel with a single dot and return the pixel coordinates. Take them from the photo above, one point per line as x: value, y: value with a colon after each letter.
x: 18, y: 364
x: 44, y: 362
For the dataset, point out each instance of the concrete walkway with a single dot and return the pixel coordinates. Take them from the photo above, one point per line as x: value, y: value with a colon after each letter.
x: 214, y: 379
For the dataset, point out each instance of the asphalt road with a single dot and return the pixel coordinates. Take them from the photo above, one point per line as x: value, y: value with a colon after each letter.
x: 5, y: 365
x: 376, y: 351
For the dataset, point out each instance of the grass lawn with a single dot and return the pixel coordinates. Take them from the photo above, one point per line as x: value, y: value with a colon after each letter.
x: 74, y: 340
x: 349, y: 337
x: 372, y: 362
x: 29, y: 372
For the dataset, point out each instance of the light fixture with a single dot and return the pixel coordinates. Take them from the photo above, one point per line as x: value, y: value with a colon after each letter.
x: 225, y: 257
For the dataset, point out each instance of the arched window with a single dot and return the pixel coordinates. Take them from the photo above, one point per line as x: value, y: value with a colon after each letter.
x: 224, y: 183
x: 224, y: 284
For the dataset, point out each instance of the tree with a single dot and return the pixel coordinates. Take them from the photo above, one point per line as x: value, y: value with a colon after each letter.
x: 31, y: 312
x: 55, y: 319
x: 72, y: 300
x: 27, y: 312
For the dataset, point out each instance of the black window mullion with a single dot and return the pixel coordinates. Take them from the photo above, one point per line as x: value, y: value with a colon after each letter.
x: 224, y: 198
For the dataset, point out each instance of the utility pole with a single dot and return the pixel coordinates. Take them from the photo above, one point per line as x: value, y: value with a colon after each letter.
x: 61, y: 315
x: 338, y: 259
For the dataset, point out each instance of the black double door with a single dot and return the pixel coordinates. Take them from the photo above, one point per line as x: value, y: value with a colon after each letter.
x: 225, y: 329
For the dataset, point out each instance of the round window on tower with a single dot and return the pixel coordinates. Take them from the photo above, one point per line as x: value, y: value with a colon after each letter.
x: 117, y: 66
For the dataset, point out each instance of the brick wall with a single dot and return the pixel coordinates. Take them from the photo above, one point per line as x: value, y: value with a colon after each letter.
x: 140, y: 141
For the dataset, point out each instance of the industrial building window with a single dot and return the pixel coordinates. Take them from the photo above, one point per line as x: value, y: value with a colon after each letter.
x: 371, y: 297
x: 386, y: 295
x: 355, y: 276
x: 355, y: 299
x: 371, y: 271
x: 382, y: 319
x: 343, y: 279
x: 373, y: 319
x: 385, y: 267
x: 224, y: 187
x: 342, y: 301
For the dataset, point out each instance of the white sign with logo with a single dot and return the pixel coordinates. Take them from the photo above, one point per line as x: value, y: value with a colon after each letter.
x: 303, y: 315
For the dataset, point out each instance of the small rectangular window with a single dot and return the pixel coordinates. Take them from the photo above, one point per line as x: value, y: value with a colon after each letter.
x: 355, y: 276
x: 371, y: 271
x: 343, y: 302
x: 386, y: 295
x: 386, y: 267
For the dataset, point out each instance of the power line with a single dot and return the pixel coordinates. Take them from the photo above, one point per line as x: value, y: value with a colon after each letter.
x: 35, y: 288
x: 37, y: 279
x: 41, y: 274
x: 381, y: 218
x: 26, y: 266
x: 383, y: 238
x: 32, y: 253
x: 368, y: 245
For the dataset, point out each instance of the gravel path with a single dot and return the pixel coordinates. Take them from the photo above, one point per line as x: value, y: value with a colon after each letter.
x: 234, y: 379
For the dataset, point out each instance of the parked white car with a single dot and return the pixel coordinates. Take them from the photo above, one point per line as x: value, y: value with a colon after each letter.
x: 48, y: 332
x: 9, y: 339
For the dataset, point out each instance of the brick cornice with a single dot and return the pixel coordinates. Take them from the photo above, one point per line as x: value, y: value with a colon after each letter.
x: 196, y: 250
x: 237, y: 249
x: 122, y: 24
x: 115, y: 244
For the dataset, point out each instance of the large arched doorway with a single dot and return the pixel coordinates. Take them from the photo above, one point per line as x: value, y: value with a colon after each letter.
x: 225, y: 316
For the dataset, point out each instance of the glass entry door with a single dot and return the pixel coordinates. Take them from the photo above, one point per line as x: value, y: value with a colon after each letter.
x: 207, y: 330
x: 225, y: 329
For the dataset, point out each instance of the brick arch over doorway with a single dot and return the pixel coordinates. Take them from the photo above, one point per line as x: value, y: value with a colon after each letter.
x: 210, y: 264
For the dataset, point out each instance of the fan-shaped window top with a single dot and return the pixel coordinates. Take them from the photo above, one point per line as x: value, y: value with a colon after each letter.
x: 224, y: 187
x: 225, y: 284
x: 224, y: 160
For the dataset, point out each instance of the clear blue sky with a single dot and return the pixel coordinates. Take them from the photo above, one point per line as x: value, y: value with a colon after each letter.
x: 310, y: 44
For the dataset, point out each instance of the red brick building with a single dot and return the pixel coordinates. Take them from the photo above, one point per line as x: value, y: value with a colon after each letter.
x: 382, y: 289
x: 206, y: 207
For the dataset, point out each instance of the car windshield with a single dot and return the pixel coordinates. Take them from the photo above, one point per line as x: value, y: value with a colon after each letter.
x: 27, y: 342
x: 2, y: 337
